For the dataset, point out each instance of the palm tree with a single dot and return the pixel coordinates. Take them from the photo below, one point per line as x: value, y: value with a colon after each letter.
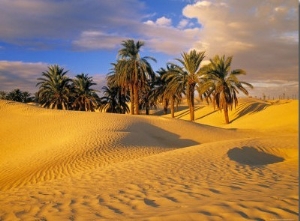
x: 2, y: 95
x: 15, y: 95
x: 85, y: 98
x: 27, y: 97
x: 147, y: 98
x: 20, y: 96
x: 121, y: 77
x: 169, y: 87
x: 175, y: 86
x: 119, y: 82
x: 159, y: 89
x: 190, y: 71
x: 114, y: 101
x: 133, y: 71
x: 54, y: 88
x: 223, y: 83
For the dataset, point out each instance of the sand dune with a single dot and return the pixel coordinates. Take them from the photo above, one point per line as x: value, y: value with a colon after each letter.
x: 66, y: 165
x: 252, y: 114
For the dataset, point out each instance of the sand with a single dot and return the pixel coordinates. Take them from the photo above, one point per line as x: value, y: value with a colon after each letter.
x: 67, y: 165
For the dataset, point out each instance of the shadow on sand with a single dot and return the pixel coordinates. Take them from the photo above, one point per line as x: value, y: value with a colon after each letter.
x: 148, y: 135
x: 177, y: 109
x: 250, y: 108
x: 251, y: 156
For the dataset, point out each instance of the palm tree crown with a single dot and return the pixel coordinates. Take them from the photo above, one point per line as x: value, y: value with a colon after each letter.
x: 54, y: 88
x: 133, y: 71
x: 114, y: 101
x: 170, y: 86
x: 85, y: 98
x: 18, y: 95
x: 223, y: 83
x: 190, y: 72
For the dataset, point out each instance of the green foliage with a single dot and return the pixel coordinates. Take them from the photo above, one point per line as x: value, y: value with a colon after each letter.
x: 17, y: 95
x: 57, y: 91
x: 133, y: 71
x: 223, y: 84
x: 84, y: 98
x: 189, y: 73
x: 132, y: 79
x: 54, y: 88
x: 169, y: 87
x: 3, y: 95
x: 114, y: 101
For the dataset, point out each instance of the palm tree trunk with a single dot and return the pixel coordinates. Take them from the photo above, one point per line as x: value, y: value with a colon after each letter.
x: 172, y: 107
x: 226, y: 114
x: 147, y: 108
x: 192, y: 114
x: 136, y: 98
x: 165, y: 103
x: 131, y: 99
x: 192, y: 103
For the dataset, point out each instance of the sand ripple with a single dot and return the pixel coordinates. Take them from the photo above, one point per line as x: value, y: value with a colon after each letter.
x: 62, y: 165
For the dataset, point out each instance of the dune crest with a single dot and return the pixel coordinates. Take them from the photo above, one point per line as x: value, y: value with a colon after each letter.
x: 71, y: 165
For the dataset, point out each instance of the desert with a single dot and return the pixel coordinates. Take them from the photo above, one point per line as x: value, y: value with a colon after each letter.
x: 72, y: 165
x: 140, y: 110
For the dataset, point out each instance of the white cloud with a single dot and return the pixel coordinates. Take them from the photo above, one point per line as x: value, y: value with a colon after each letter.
x: 162, y: 21
x: 202, y: 3
x: 93, y: 40
x: 161, y: 36
x: 149, y: 22
x: 262, y: 36
x: 170, y: 40
x: 23, y: 22
x: 275, y: 88
x: 183, y: 23
x: 22, y: 75
x: 101, y: 81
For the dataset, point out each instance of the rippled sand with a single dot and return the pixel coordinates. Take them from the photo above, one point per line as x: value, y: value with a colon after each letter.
x: 67, y: 165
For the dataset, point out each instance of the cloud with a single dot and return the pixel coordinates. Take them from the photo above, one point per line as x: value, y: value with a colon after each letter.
x: 161, y: 36
x: 163, y: 21
x: 95, y: 40
x: 24, y: 75
x: 170, y: 40
x: 275, y: 89
x: 183, y: 23
x: 203, y: 3
x: 89, y: 25
x: 101, y: 81
x: 262, y: 36
x: 20, y: 75
x: 23, y: 22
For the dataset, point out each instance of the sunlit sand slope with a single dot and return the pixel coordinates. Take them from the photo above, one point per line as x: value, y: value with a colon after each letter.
x: 251, y: 113
x: 38, y: 144
x: 64, y: 165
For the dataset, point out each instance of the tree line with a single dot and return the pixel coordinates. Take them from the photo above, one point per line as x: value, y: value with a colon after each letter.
x: 17, y: 95
x: 131, y: 79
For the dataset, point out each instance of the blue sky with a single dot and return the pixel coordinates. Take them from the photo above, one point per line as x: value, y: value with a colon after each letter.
x: 85, y: 36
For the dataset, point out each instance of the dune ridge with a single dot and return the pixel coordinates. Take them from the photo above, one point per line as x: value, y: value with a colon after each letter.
x: 70, y: 165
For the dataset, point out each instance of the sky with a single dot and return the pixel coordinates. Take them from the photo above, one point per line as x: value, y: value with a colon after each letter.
x: 85, y: 36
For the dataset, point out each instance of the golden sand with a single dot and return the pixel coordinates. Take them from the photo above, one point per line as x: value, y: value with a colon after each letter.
x: 67, y: 165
